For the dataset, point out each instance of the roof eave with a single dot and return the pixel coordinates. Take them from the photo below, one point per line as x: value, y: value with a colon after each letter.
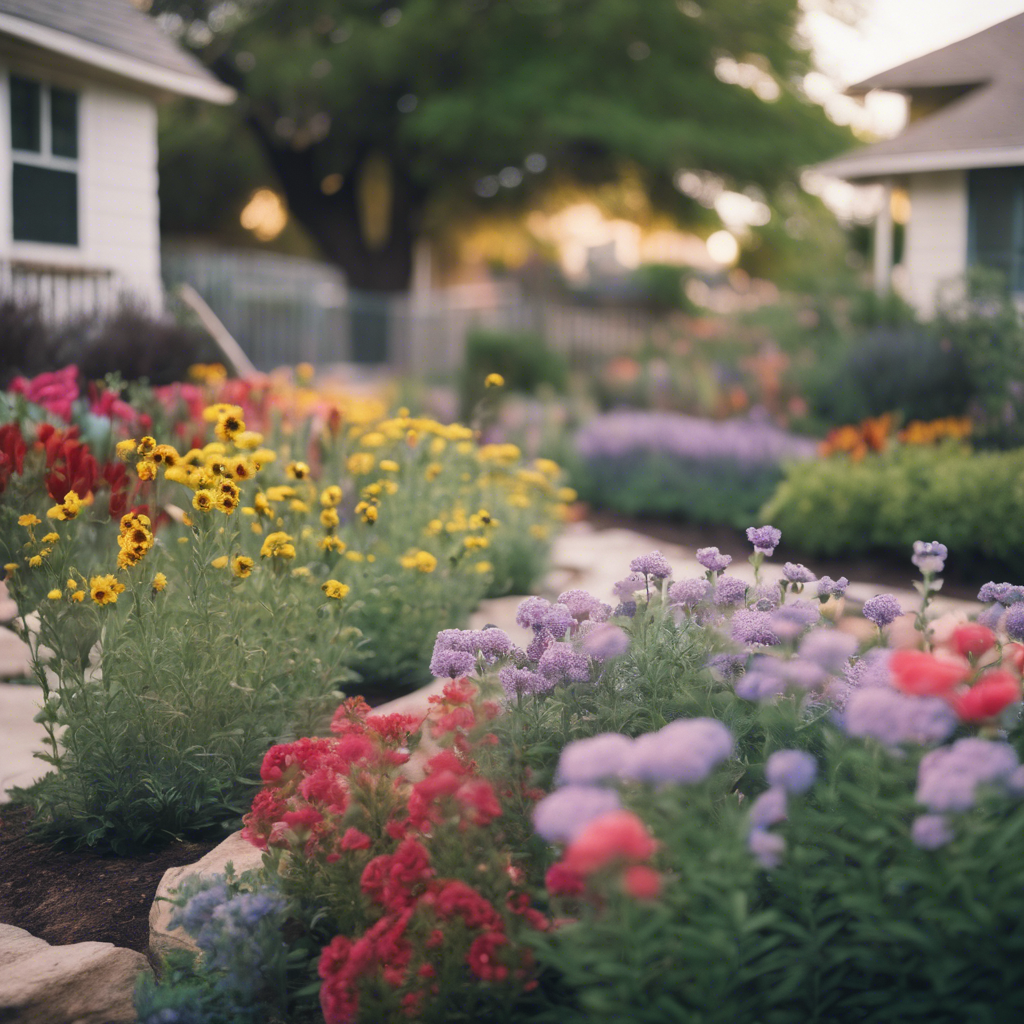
x: 866, y: 166
x: 202, y: 87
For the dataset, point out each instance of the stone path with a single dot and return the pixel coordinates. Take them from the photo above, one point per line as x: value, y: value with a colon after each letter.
x: 583, y: 557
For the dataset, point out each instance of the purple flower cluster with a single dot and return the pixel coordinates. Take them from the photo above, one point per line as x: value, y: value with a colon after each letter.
x: 549, y: 622
x: 689, y: 592
x: 1003, y: 593
x: 753, y: 628
x: 929, y: 556
x: 455, y: 650
x: 582, y: 606
x: 764, y: 538
x: 766, y: 598
x: 712, y: 559
x: 727, y: 666
x: 563, y: 814
x: 796, y: 573
x: 767, y: 847
x: 895, y: 718
x: 828, y: 587
x: 561, y: 663
x: 931, y: 831
x: 768, y: 677
x: 1014, y: 622
x: 605, y: 641
x: 769, y: 808
x: 882, y: 610
x: 828, y: 648
x: 604, y: 756
x: 789, y: 621
x: 792, y: 771
x: 948, y: 778
x: 653, y: 564
x: 730, y: 590
x: 515, y: 681
x: 626, y: 589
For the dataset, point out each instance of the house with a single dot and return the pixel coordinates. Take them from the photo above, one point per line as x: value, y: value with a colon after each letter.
x: 959, y: 161
x: 79, y: 85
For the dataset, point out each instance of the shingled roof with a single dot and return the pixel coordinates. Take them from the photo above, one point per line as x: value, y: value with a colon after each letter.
x: 114, y: 36
x: 984, y: 127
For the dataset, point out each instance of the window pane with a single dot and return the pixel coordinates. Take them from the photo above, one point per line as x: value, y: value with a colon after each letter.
x: 63, y: 122
x: 996, y: 215
x: 25, y: 114
x: 45, y: 205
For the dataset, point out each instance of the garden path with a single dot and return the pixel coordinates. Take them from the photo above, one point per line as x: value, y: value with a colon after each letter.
x: 583, y: 557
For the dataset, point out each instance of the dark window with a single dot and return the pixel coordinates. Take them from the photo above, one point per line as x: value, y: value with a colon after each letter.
x: 26, y: 119
x: 45, y: 205
x: 63, y: 123
x: 996, y: 221
x: 44, y: 175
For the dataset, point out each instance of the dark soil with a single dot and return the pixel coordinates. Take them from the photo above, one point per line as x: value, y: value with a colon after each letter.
x: 66, y: 896
x: 895, y: 573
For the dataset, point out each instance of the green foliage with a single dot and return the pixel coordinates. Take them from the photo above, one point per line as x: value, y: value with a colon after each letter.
x: 661, y: 286
x: 522, y: 359
x: 971, y: 501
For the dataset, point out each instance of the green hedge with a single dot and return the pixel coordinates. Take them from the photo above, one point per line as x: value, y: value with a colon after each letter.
x: 971, y: 501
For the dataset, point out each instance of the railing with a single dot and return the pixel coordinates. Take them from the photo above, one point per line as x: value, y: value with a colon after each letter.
x: 62, y: 292
x: 284, y: 310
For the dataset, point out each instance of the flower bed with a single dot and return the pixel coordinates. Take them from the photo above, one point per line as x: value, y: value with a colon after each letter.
x: 749, y: 815
x: 717, y: 471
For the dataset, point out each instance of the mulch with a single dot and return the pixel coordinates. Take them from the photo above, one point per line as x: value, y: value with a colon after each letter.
x: 66, y: 896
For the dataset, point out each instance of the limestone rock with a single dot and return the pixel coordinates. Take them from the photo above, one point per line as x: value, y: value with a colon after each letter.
x: 164, y: 939
x: 83, y: 983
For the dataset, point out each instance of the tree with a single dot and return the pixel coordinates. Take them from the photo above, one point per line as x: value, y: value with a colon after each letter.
x: 376, y: 114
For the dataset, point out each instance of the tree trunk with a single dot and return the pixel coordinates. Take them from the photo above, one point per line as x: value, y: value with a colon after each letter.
x: 335, y: 221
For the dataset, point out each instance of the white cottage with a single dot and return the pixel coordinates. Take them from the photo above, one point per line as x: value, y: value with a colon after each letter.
x: 960, y: 161
x: 79, y: 85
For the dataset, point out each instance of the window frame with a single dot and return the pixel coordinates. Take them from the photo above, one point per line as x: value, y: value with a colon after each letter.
x: 45, y: 158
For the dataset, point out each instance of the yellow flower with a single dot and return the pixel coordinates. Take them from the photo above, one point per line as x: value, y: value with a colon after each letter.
x: 212, y: 413
x: 248, y: 440
x: 277, y: 494
x: 361, y: 463
x: 475, y: 543
x: 146, y: 469
x: 433, y: 471
x: 124, y: 450
x: 333, y: 544
x: 482, y: 567
x: 50, y: 538
x: 329, y: 518
x: 204, y: 500
x: 389, y: 465
x: 335, y: 589
x: 241, y: 468
x: 159, y: 583
x: 433, y: 528
x: 10, y: 567
x: 518, y: 500
x: 438, y: 445
x: 373, y: 440
x: 539, y: 531
x: 262, y: 456
x: 219, y: 562
x: 104, y: 589
x: 146, y: 446
x: 29, y: 520
x: 422, y: 561
x: 367, y: 512
x: 277, y: 545
x: 177, y: 474
x: 301, y: 571
x: 296, y: 470
x: 227, y: 502
x: 566, y: 494
x: 331, y: 496
x: 166, y: 454
x: 242, y: 566
x: 494, y: 380
x: 35, y: 561
x: 78, y: 595
x: 464, y: 447
x: 304, y: 373
x: 354, y: 556
x: 72, y: 584
x: 229, y: 426
x: 68, y: 509
x: 298, y: 505
x: 547, y: 466
x: 54, y: 595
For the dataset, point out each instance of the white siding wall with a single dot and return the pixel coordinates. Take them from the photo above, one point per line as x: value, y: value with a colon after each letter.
x: 118, y: 210
x: 935, y: 249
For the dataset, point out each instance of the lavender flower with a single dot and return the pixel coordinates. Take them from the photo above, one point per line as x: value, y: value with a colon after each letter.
x: 208, y: 894
x: 689, y: 592
x: 762, y: 681
x: 992, y: 617
x: 768, y: 809
x: 730, y: 590
x: 796, y: 573
x: 789, y: 621
x: 560, y: 663
x: 764, y: 538
x: 929, y: 556
x: 581, y: 605
x: 563, y: 814
x: 871, y: 670
x: 541, y: 641
x: 894, y: 718
x: 449, y: 664
x: 828, y: 587
x: 1004, y: 593
x: 828, y: 648
x: 882, y: 610
x: 653, y: 564
x: 767, y: 847
x: 605, y: 641
x: 530, y: 613
x: 685, y: 750
x: 802, y: 674
x: 749, y: 627
x: 625, y: 589
x: 727, y: 666
x: 947, y: 778
x: 1015, y: 783
x: 515, y: 681
x: 591, y: 760
x: 930, y: 831
x: 626, y: 610
x: 1014, y: 624
x: 791, y: 770
x: 712, y: 559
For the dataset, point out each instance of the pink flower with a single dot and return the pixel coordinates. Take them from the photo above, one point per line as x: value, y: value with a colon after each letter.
x: 972, y: 640
x: 55, y: 391
x: 641, y: 882
x: 618, y: 835
x: 923, y: 675
x: 353, y: 839
x: 994, y: 691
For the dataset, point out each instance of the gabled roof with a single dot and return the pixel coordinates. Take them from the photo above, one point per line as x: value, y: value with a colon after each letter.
x: 982, y: 128
x: 115, y: 37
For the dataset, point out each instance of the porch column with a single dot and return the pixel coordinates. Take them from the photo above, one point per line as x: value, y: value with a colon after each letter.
x: 883, y: 242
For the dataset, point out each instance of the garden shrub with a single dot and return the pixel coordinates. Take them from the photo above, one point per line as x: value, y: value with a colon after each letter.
x: 680, y: 466
x: 521, y: 358
x: 972, y: 501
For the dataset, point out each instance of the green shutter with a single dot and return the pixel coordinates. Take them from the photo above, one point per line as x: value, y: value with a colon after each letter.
x: 45, y: 205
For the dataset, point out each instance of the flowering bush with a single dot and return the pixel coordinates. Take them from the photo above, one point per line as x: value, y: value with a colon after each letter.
x: 705, y: 470
x: 315, y: 561
x: 402, y: 896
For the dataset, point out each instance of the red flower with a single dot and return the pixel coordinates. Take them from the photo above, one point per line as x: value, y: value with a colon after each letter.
x: 994, y: 691
x: 563, y: 881
x: 302, y: 820
x: 641, y: 882
x: 1014, y: 654
x: 456, y: 899
x: 12, y: 452
x: 55, y: 391
x: 477, y: 797
x: 618, y: 835
x: 116, y: 477
x: 972, y: 640
x: 924, y: 675
x: 353, y: 839
x: 394, y: 729
x: 482, y: 957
